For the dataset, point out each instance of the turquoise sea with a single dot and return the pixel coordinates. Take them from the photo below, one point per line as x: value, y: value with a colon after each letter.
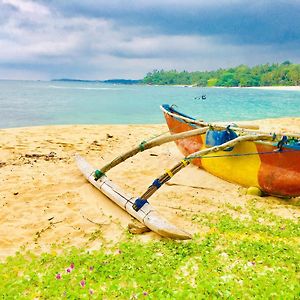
x: 29, y: 103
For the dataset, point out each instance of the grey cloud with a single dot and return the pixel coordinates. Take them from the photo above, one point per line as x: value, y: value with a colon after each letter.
x: 95, y: 39
x: 241, y: 22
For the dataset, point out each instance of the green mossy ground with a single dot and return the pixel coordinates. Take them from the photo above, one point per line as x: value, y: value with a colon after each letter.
x: 255, y: 257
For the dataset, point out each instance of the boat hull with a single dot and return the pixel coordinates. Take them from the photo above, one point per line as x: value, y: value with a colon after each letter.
x: 250, y: 163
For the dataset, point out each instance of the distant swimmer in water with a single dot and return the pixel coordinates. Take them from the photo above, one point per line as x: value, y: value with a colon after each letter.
x: 203, y: 97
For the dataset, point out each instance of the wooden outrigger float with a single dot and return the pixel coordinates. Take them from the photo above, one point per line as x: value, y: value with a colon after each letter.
x: 146, y: 214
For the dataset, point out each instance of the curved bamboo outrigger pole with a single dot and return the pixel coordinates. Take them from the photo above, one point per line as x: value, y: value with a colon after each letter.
x: 157, y: 183
x: 148, y: 145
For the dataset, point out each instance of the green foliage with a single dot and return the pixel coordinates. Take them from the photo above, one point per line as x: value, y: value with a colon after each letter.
x: 228, y: 79
x: 212, y: 82
x: 258, y: 257
x: 286, y: 73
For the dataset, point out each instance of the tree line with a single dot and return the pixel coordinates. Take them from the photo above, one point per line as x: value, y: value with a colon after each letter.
x: 286, y: 73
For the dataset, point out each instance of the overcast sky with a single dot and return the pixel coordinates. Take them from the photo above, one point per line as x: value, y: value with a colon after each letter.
x: 86, y: 39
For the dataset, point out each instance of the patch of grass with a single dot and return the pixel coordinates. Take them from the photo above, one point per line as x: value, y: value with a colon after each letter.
x: 259, y: 222
x: 236, y: 208
x: 237, y: 259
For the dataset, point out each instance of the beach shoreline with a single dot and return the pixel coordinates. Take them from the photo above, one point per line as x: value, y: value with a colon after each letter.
x: 271, y: 88
x: 46, y: 201
x: 276, y: 88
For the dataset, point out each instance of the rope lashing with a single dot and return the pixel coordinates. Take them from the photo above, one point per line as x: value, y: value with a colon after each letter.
x: 139, y: 203
x: 98, y: 174
x: 169, y: 172
x: 185, y: 162
x: 142, y: 146
x: 282, y: 142
x: 294, y: 142
x: 156, y: 183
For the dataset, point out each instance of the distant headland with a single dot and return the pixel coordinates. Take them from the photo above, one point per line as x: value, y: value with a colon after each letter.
x: 284, y: 74
x: 111, y: 81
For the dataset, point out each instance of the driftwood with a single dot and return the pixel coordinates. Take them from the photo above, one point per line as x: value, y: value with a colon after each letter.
x: 169, y: 174
x: 147, y: 145
x: 248, y: 129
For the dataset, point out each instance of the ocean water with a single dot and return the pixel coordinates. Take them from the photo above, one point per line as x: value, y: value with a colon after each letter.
x: 30, y: 103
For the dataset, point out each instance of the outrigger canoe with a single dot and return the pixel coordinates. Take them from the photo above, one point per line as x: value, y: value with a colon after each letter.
x: 271, y: 166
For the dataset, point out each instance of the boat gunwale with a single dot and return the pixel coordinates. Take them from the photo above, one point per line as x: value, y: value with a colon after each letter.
x: 181, y: 117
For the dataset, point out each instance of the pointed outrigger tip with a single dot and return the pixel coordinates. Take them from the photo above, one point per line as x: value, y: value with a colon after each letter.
x: 163, y: 227
x: 175, y: 235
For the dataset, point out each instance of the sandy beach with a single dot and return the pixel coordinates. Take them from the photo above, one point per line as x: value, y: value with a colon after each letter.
x: 277, y: 88
x: 45, y: 200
